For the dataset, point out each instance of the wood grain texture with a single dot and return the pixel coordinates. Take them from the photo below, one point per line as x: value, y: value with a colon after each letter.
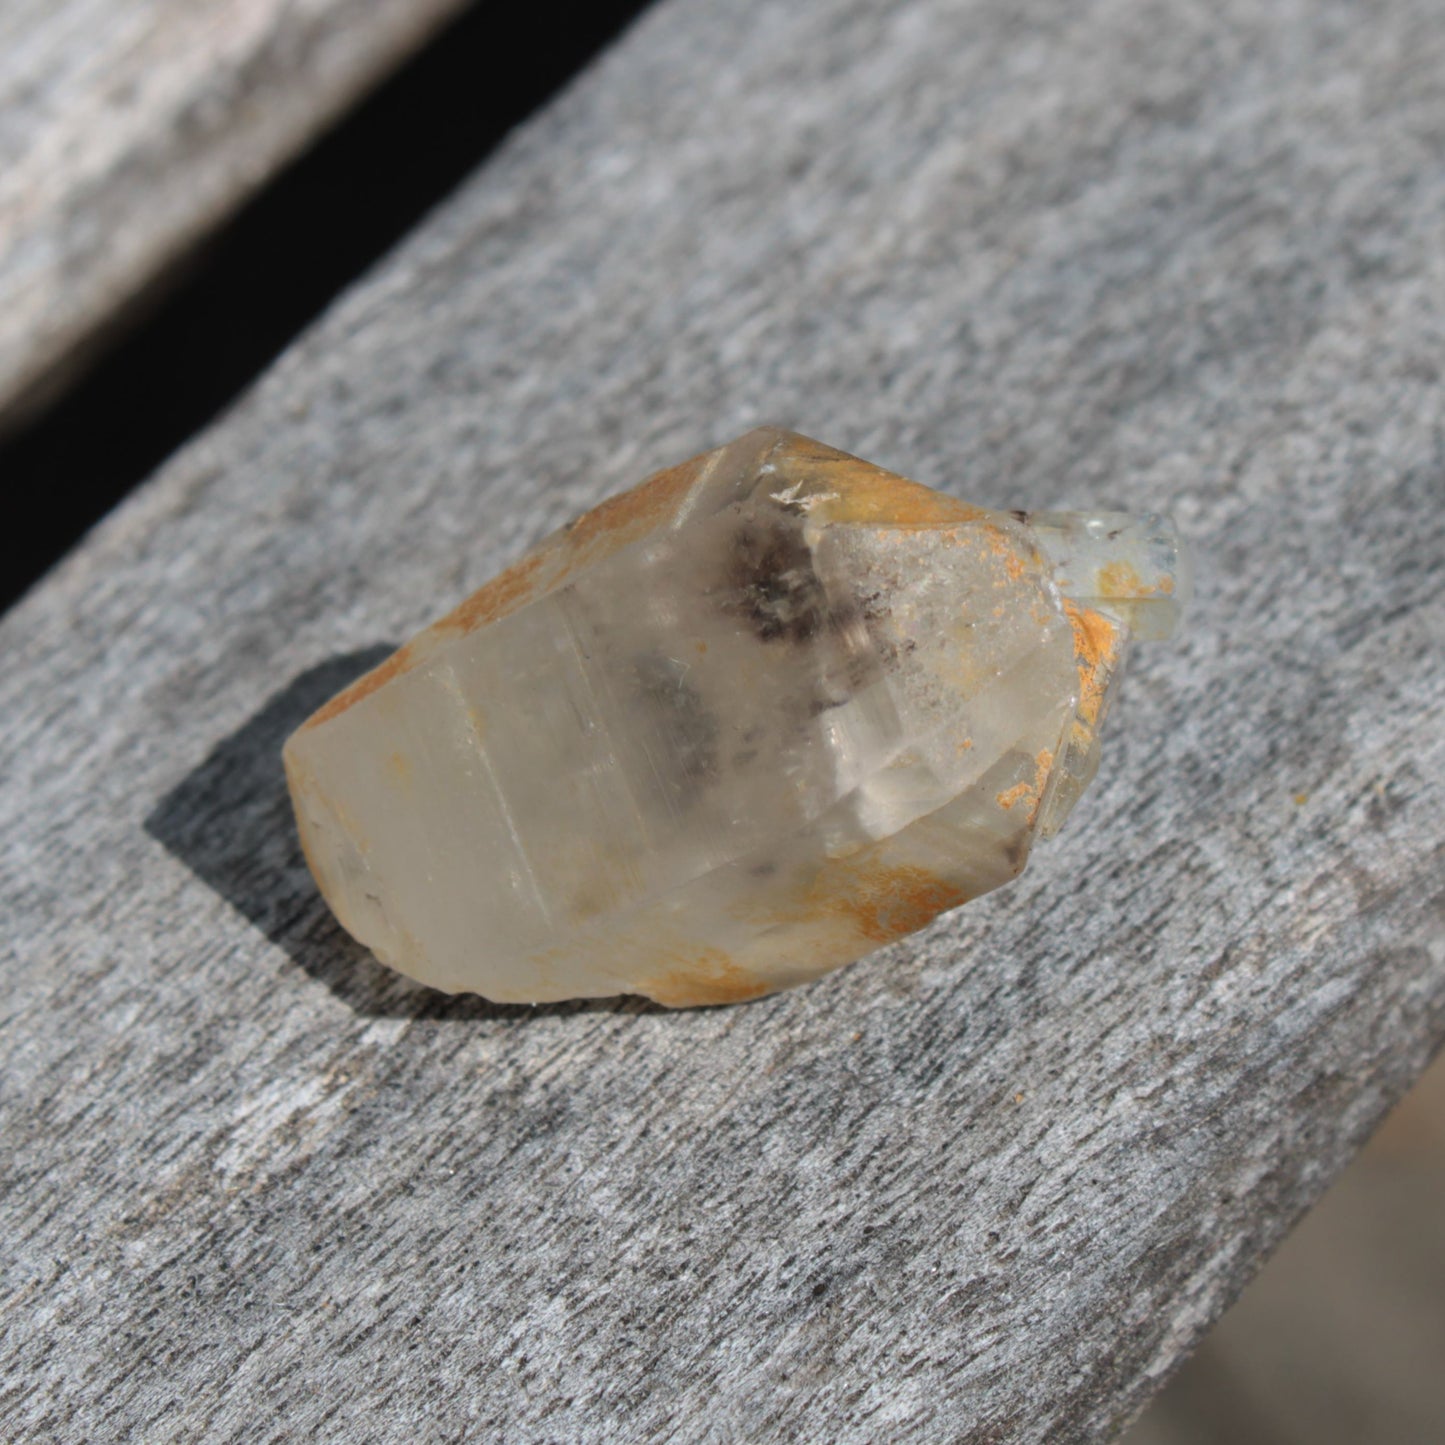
x: 130, y: 128
x: 986, y: 1186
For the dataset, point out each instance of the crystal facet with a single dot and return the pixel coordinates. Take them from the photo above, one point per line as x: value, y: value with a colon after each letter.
x: 756, y: 717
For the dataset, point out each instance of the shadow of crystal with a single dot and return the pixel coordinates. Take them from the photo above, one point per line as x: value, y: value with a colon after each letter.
x: 229, y: 821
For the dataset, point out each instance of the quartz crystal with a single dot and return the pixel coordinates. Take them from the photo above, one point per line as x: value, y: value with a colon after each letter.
x: 769, y: 710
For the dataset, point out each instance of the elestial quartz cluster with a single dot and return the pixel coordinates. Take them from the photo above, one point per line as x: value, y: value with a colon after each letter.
x: 756, y: 717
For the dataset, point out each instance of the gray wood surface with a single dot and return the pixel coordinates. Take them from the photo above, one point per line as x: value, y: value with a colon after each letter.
x: 987, y: 1186
x: 129, y: 128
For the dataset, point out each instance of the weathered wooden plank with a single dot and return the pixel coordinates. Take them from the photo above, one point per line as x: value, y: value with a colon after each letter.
x: 1339, y: 1338
x: 129, y: 128
x: 987, y: 1186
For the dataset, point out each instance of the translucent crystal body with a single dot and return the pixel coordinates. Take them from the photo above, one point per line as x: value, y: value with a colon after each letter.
x: 763, y: 713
